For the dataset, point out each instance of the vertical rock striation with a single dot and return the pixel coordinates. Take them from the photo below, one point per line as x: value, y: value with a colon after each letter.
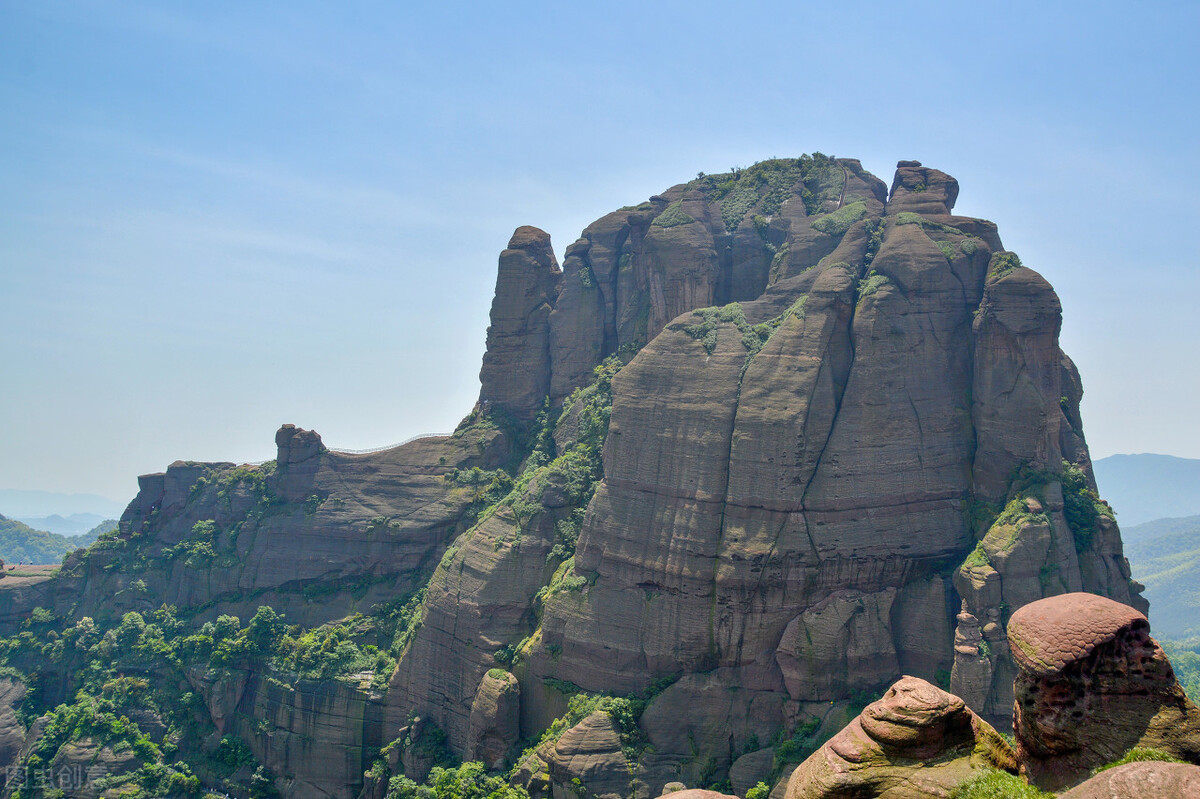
x: 847, y: 420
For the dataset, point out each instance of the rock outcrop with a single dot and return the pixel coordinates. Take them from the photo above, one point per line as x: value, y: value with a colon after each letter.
x: 848, y: 419
x: 317, y: 736
x: 916, y: 742
x: 495, y: 719
x: 803, y: 436
x: 516, y: 366
x: 1092, y: 685
x: 12, y: 732
x: 1140, y: 781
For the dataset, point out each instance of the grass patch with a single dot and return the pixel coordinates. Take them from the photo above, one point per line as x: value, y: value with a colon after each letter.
x: 872, y: 283
x: 994, y: 784
x: 839, y: 221
x: 1002, y: 265
x: 673, y: 216
x: 1140, y: 755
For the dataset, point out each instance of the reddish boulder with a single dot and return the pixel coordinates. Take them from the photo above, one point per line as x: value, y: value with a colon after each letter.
x: 1140, y: 781
x: 1092, y: 685
x: 917, y: 741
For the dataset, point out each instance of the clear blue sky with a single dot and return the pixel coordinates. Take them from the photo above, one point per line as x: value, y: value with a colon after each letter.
x: 218, y: 217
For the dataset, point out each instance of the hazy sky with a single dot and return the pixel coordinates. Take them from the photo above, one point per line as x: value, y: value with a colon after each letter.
x: 218, y: 217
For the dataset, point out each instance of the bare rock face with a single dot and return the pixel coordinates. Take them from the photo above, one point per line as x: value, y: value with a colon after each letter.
x: 516, y: 367
x: 696, y: 793
x: 315, y: 735
x: 589, y: 754
x: 1139, y: 781
x: 917, y: 741
x: 495, y: 725
x: 1092, y: 685
x: 12, y: 732
x: 811, y: 464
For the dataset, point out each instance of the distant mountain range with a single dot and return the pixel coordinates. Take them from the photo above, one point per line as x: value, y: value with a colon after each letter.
x: 20, y: 543
x: 16, y: 503
x: 75, y: 524
x: 1145, y: 487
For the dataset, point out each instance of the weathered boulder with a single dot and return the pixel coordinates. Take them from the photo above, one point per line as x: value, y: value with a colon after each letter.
x: 495, y: 725
x: 589, y: 756
x: 1092, y: 685
x: 1140, y: 781
x: 917, y: 741
x: 695, y: 793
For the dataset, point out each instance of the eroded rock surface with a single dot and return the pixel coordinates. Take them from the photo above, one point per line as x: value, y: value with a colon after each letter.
x: 837, y: 397
x: 12, y: 732
x: 495, y: 719
x: 917, y: 741
x: 1140, y: 781
x: 1092, y: 685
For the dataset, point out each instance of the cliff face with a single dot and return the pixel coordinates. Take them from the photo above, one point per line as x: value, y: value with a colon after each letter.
x: 802, y: 484
x: 772, y: 439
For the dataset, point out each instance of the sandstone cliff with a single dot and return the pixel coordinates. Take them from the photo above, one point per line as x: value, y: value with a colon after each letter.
x: 761, y: 445
x: 847, y: 415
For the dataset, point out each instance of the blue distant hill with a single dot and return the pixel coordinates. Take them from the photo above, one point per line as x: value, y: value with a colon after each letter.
x: 1145, y: 487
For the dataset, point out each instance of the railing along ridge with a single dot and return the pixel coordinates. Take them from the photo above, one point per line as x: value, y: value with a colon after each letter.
x: 342, y: 451
x: 417, y: 437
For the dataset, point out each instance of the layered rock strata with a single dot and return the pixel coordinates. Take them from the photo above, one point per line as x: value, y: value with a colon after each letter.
x: 1092, y: 685
x: 916, y: 742
x: 811, y: 459
x: 843, y: 418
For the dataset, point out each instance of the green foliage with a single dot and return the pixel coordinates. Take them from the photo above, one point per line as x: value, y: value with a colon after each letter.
x: 1141, y: 754
x: 1081, y: 505
x: 947, y: 250
x: 874, y: 240
x: 1003, y: 264
x: 564, y: 579
x: 673, y: 216
x: 993, y: 784
x: 1185, y: 659
x: 760, y: 791
x: 197, y: 549
x: 872, y: 283
x: 977, y: 559
x: 467, y: 781
x: 839, y: 221
x: 767, y: 185
x: 624, y: 712
x: 803, y: 741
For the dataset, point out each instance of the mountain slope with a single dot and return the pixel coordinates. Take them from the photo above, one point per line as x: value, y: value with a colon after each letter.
x: 1165, y: 556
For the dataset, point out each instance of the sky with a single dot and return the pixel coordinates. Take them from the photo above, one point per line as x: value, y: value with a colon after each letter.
x: 219, y: 217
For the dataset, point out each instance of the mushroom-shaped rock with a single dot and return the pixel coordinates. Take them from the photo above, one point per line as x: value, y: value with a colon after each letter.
x: 916, y: 741
x: 1048, y: 635
x: 1092, y: 685
x: 1140, y: 781
x: 696, y: 793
